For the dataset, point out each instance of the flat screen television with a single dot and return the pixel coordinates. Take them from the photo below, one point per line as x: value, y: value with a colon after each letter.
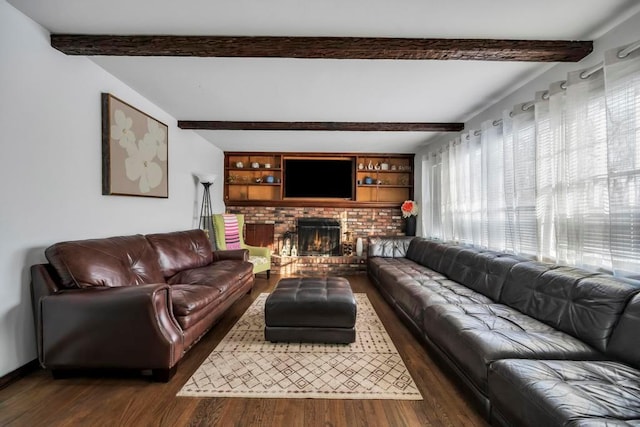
x: 318, y: 178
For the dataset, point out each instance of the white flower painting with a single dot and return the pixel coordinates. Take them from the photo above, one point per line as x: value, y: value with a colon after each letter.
x: 140, y: 166
x: 135, y: 151
x: 121, y: 130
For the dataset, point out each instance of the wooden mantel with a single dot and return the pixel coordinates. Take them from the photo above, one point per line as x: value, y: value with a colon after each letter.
x: 323, y: 47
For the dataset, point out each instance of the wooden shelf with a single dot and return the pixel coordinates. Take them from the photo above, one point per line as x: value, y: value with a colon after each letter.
x: 382, y: 171
x: 254, y: 169
x: 385, y: 185
x: 258, y: 184
x: 241, y: 190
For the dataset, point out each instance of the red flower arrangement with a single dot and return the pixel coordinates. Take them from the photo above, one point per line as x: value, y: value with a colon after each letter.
x: 409, y: 208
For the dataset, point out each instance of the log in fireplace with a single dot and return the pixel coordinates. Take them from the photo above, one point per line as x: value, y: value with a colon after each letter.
x: 318, y: 237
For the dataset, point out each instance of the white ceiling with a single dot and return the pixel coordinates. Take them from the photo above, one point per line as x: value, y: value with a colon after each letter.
x: 272, y: 89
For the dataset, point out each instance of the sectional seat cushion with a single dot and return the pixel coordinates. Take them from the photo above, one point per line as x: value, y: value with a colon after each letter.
x: 413, y: 296
x: 413, y: 286
x: 399, y: 267
x: 111, y: 262
x: 475, y: 335
x: 564, y: 393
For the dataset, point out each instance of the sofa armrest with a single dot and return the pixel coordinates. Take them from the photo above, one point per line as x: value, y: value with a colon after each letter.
x: 124, y: 327
x: 232, y: 254
x: 388, y: 246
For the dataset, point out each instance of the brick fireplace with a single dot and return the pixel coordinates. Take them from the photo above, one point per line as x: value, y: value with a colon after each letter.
x: 359, y: 222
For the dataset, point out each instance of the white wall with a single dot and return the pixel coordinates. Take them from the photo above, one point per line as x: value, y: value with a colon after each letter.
x: 50, y: 169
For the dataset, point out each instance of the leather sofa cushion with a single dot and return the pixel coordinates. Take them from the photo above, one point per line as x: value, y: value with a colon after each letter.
x: 413, y: 287
x: 196, y: 292
x: 111, y: 262
x: 624, y: 340
x: 398, y: 267
x: 401, y: 268
x: 481, y: 270
x: 475, y: 335
x: 181, y: 250
x: 565, y: 393
x: 427, y: 252
x: 415, y: 295
x: 219, y: 274
x: 192, y: 302
x: 583, y: 304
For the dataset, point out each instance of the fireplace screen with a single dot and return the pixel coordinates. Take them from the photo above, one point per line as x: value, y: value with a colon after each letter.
x: 318, y: 236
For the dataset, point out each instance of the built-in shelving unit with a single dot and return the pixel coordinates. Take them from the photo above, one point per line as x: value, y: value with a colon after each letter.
x: 257, y: 178
x: 384, y: 178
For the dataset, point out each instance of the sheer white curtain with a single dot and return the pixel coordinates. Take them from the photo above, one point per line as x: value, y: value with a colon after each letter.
x: 448, y: 191
x: 572, y: 202
x: 622, y: 78
x: 492, y: 189
x: 520, y: 181
x: 557, y: 178
x: 431, y: 195
x: 546, y: 176
x: 557, y: 219
x: 455, y: 185
x: 584, y: 232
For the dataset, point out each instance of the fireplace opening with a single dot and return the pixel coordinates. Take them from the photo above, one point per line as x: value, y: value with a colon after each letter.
x: 318, y: 237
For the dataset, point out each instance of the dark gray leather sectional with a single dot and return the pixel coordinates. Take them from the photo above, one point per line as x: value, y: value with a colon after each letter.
x: 535, y: 343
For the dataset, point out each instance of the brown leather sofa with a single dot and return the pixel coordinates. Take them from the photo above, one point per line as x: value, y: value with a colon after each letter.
x: 132, y: 302
x: 535, y: 343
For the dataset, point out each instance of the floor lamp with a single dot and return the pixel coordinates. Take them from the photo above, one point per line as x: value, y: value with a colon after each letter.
x: 206, y: 214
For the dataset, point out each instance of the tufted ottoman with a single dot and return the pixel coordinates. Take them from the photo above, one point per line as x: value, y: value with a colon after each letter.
x: 311, y: 309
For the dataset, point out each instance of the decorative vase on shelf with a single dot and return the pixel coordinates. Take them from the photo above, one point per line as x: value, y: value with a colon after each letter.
x: 410, y: 226
x: 359, y: 246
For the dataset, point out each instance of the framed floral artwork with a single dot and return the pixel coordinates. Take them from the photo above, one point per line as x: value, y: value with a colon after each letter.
x: 134, y: 151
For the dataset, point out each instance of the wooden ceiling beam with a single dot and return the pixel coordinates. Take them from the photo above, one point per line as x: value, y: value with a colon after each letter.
x: 323, y: 126
x: 323, y: 47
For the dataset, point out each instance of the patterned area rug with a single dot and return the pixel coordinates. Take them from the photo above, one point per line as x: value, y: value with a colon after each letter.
x: 244, y: 365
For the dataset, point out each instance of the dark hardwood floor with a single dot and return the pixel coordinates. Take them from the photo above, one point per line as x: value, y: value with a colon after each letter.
x: 133, y: 400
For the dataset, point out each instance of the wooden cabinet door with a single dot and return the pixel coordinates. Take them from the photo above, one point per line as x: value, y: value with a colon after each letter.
x: 259, y: 235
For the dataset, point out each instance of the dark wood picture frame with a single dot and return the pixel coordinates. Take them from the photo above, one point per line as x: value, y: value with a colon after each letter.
x: 135, y: 151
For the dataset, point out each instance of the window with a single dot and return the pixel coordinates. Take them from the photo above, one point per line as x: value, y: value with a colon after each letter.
x: 558, y: 178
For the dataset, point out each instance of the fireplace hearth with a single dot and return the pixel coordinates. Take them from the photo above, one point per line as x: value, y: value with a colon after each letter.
x: 318, y: 237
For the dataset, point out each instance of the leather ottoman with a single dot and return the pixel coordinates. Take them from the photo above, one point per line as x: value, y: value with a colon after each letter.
x: 311, y: 309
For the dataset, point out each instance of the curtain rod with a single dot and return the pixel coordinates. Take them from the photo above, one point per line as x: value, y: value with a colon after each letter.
x: 476, y: 132
x: 623, y: 53
x: 589, y: 71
